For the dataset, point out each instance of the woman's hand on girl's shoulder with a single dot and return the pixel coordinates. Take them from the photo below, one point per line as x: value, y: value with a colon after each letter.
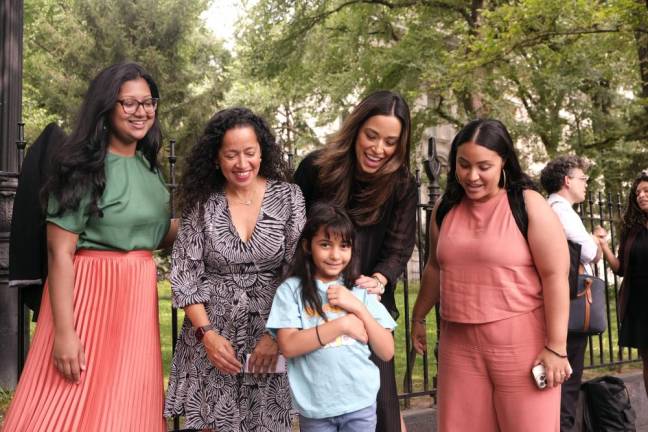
x: 369, y: 283
x: 342, y: 297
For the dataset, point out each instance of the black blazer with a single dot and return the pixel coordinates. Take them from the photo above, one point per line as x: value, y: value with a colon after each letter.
x: 384, y: 247
x: 28, y: 241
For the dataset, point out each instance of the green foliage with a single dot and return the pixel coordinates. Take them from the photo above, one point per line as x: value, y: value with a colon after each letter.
x: 68, y: 41
x: 566, y: 75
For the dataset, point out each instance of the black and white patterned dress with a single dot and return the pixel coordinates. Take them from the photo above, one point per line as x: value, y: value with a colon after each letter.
x: 236, y: 281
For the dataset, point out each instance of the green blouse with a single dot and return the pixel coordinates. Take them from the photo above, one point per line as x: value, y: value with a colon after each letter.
x: 135, y: 206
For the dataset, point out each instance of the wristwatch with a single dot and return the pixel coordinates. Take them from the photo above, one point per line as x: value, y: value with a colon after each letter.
x: 200, y: 331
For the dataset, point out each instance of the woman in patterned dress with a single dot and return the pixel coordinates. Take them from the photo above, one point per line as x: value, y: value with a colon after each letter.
x: 240, y: 224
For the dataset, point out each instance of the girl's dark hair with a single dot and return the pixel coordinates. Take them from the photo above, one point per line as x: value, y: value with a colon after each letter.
x: 78, y: 167
x: 201, y: 177
x: 493, y: 135
x: 335, y: 222
x: 337, y: 162
x: 634, y: 217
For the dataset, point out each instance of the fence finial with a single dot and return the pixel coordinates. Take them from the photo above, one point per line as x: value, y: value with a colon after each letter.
x: 432, y: 167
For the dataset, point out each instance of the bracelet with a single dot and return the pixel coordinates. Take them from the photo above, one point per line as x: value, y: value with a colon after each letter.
x: 419, y: 320
x: 318, y: 336
x: 555, y: 352
x: 381, y: 286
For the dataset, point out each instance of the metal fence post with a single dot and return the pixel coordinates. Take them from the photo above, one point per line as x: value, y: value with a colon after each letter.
x: 432, y: 166
x: 172, y: 207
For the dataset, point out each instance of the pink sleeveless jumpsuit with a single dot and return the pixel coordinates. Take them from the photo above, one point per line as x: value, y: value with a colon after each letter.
x: 493, y: 325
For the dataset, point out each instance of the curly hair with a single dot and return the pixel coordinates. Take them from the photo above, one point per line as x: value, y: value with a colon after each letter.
x: 200, y: 177
x: 634, y: 217
x: 78, y: 168
x: 493, y: 135
x: 552, y: 176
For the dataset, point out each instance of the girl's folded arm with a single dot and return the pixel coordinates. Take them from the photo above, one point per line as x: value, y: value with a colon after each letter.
x: 380, y: 338
x: 295, y: 342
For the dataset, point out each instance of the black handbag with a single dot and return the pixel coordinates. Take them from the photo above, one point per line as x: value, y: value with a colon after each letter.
x: 587, y: 313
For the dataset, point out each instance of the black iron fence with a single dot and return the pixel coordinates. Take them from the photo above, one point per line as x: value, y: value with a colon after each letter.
x: 417, y: 375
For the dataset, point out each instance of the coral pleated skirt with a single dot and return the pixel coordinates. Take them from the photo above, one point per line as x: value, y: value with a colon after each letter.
x: 116, y: 318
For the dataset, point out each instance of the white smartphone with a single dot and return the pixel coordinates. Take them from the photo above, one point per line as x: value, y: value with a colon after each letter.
x: 539, y: 376
x: 280, y: 367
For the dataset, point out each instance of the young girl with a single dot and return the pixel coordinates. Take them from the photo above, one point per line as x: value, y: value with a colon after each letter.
x: 323, y: 325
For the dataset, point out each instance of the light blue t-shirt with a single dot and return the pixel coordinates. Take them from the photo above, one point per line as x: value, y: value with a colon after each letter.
x: 338, y: 378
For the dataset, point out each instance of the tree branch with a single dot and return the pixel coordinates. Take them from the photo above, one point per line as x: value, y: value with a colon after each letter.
x: 544, y: 36
x: 310, y: 22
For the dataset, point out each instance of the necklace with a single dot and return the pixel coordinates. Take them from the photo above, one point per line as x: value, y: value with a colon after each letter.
x: 245, y: 202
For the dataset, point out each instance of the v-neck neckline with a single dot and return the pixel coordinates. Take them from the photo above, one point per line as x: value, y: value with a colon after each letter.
x: 258, y: 219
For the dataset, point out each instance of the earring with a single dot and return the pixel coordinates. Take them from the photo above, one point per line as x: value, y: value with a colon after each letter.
x: 217, y: 167
x: 504, y: 176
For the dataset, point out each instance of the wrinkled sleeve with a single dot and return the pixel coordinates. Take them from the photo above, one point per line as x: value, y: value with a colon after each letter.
x: 285, y: 312
x: 399, y: 240
x: 187, y: 264
x: 378, y: 311
x: 72, y: 220
x: 575, y: 230
x: 295, y: 223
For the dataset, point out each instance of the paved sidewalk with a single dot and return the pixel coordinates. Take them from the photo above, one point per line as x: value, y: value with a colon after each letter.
x: 424, y: 419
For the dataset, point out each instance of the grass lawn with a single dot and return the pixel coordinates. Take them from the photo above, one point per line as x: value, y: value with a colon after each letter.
x: 597, y: 354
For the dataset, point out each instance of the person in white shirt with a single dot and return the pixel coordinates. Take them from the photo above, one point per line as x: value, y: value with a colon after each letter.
x: 565, y: 181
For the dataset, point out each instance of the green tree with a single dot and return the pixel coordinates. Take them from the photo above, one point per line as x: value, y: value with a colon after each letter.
x: 567, y: 75
x: 68, y: 41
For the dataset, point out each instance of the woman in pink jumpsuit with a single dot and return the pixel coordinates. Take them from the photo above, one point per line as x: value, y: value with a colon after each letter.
x: 498, y: 265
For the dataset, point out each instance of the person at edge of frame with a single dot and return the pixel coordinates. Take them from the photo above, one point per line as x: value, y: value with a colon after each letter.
x: 95, y: 362
x: 631, y: 262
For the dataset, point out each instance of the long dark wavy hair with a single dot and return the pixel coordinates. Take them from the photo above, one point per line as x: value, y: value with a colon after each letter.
x: 78, y: 168
x: 493, y: 135
x: 337, y: 162
x: 336, y: 222
x: 200, y: 177
x: 634, y: 218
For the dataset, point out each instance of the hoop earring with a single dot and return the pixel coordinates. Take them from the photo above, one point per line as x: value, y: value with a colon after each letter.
x: 504, y: 176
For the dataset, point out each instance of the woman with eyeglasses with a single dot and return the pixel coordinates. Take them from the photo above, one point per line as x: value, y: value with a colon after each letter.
x: 632, y: 263
x: 95, y: 361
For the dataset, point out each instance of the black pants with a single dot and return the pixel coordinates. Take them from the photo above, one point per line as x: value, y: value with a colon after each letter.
x: 576, y: 345
x: 387, y: 407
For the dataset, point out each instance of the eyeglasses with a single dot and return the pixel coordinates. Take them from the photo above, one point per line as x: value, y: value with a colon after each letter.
x: 583, y: 178
x: 131, y: 105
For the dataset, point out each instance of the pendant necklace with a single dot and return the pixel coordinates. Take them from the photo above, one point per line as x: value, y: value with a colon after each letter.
x: 246, y: 202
